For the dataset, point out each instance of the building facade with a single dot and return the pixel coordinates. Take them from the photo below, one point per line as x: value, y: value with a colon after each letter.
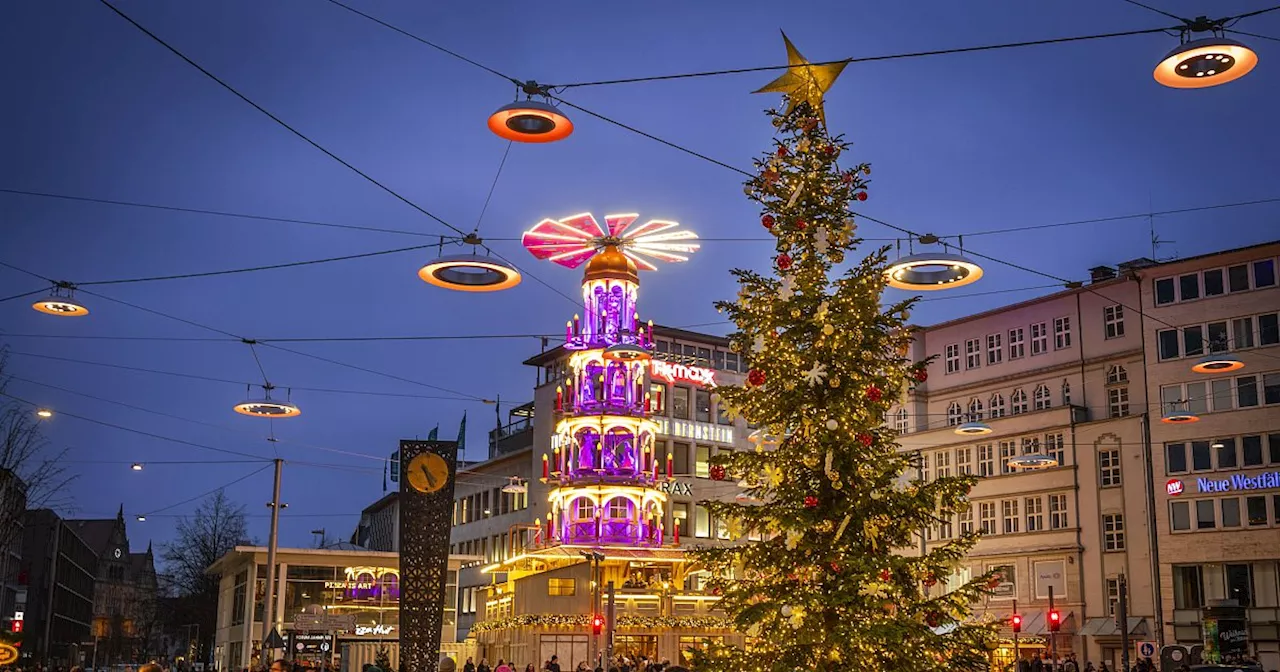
x: 1217, y: 471
x: 351, y: 582
x: 124, y: 593
x: 60, y: 570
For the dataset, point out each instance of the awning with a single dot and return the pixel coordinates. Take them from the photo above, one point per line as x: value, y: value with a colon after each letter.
x: 566, y: 553
x: 1106, y: 627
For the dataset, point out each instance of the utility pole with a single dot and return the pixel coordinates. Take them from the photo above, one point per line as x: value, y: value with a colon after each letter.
x: 1017, y: 655
x: 269, y: 612
x: 1053, y: 638
x: 610, y: 613
x: 1122, y: 619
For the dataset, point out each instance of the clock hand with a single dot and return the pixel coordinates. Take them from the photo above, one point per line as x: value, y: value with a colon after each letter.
x: 431, y: 480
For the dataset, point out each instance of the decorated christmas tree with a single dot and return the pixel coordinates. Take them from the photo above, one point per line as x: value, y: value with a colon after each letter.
x: 838, y: 583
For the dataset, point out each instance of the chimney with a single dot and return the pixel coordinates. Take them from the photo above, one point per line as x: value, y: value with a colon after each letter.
x: 1101, y: 274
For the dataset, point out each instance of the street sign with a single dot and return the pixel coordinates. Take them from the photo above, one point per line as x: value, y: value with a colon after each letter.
x: 324, y: 622
x: 1145, y: 649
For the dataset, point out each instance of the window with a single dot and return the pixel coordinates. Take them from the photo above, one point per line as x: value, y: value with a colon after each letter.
x: 901, y: 422
x: 1113, y: 532
x: 987, y: 517
x: 1273, y: 450
x: 1010, y: 509
x: 1118, y: 402
x: 1251, y: 449
x: 1271, y: 388
x: 1117, y: 375
x: 1256, y: 509
x: 1113, y: 596
x: 722, y: 528
x: 1035, y: 514
x: 1205, y: 518
x: 1008, y: 449
x: 1055, y: 447
x: 1269, y: 329
x: 1066, y: 393
x: 1043, y: 398
x: 1039, y: 338
x: 657, y: 399
x: 1246, y: 391
x: 986, y: 460
x: 1058, y: 512
x: 722, y: 413
x: 1227, y: 454
x: 1017, y: 343
x: 717, y: 359
x: 1201, y: 458
x: 944, y: 530
x: 680, y: 516
x: 680, y: 458
x: 966, y: 520
x: 943, y: 463
x: 955, y: 414
x: 1168, y: 343
x: 680, y: 403
x: 997, y: 406
x: 1188, y: 587
x: 1113, y: 321
x: 924, y: 466
x: 1180, y: 515
x: 995, y: 352
x: 953, y: 357
x: 1238, y: 278
x: 731, y: 362
x: 702, y: 405
x: 701, y: 522
x: 975, y: 409
x: 1061, y: 333
x: 1109, y: 468
x: 561, y: 587
x: 1019, y: 402
x: 702, y: 461
x: 1231, y: 512
x: 1164, y: 291
x: 1240, y: 584
x: 1264, y: 273
x: 1189, y: 287
x: 972, y: 353
x: 1213, y: 284
x: 1242, y: 332
x: 1030, y: 445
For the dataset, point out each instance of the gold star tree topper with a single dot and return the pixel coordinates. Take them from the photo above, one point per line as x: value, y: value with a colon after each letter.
x: 803, y: 81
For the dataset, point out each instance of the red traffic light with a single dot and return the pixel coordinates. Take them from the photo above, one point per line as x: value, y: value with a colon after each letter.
x: 1055, y: 620
x: 597, y: 624
x: 16, y: 626
x: 1016, y: 622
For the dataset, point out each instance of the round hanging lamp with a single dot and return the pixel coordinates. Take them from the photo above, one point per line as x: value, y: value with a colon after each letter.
x: 266, y: 407
x: 1205, y: 62
x: 1032, y: 461
x: 470, y: 273
x: 927, y: 272
x: 530, y: 121
x: 973, y: 429
x: 1179, y: 417
x: 626, y: 352
x: 61, y: 302
x: 44, y: 413
x: 514, y: 486
x: 1218, y: 364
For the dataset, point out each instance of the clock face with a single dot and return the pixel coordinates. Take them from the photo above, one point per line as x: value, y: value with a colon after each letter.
x: 427, y: 472
x: 118, y: 553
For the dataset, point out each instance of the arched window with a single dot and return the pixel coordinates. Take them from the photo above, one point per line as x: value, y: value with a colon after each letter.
x: 901, y: 421
x: 1066, y: 392
x: 584, y: 509
x: 1019, y: 402
x: 975, y: 409
x: 1043, y: 399
x: 997, y: 406
x: 955, y: 414
x: 1117, y: 374
x: 618, y: 509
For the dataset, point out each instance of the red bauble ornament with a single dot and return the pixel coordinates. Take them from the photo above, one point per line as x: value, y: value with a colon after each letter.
x: 994, y: 583
x: 717, y: 472
x: 921, y: 375
x: 800, y: 225
x: 931, y: 619
x: 930, y: 580
x: 809, y: 124
x: 784, y: 261
x: 866, y: 439
x: 847, y: 178
x: 782, y: 150
x: 767, y: 221
x: 831, y: 150
x: 755, y: 377
x: 771, y: 176
x: 862, y: 196
x: 874, y: 393
x: 835, y: 567
x: 885, y: 575
x: 810, y: 502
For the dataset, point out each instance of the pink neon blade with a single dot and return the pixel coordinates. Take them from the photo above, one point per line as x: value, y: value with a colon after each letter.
x: 548, y: 250
x: 641, y: 264
x: 573, y: 259
x: 651, y: 227
x: 619, y: 223
x: 585, y: 223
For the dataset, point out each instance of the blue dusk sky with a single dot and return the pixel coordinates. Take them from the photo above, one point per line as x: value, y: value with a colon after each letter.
x: 93, y: 108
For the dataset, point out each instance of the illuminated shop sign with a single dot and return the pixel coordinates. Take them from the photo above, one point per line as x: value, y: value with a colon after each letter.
x: 349, y: 585
x: 676, y: 488
x: 374, y: 629
x: 698, y: 431
x: 673, y: 373
x: 1234, y: 483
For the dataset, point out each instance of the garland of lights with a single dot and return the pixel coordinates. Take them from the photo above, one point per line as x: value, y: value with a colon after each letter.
x: 624, y: 621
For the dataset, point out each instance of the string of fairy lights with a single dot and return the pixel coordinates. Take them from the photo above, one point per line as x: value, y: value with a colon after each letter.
x: 1204, y: 57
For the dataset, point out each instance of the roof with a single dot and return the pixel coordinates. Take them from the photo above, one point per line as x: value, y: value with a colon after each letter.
x: 348, y: 551
x: 96, y: 533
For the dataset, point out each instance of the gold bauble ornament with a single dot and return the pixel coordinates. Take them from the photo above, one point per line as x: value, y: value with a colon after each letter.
x: 827, y: 329
x: 795, y: 313
x: 835, y: 382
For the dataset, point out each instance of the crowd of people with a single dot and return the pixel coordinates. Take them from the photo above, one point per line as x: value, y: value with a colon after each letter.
x: 618, y: 664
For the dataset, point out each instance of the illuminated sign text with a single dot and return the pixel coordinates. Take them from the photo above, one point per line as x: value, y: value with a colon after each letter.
x: 676, y: 488
x: 1240, y: 482
x: 1174, y: 487
x: 374, y: 629
x: 698, y: 431
x: 681, y: 372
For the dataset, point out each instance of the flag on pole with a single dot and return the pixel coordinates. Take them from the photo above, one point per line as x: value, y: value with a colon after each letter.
x: 434, y: 434
x: 462, y: 435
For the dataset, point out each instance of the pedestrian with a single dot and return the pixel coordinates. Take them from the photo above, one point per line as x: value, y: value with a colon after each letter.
x: 1037, y: 665
x: 484, y: 666
x: 1088, y: 667
x: 502, y: 666
x: 469, y: 666
x: 554, y: 666
x: 529, y: 668
x: 1071, y: 665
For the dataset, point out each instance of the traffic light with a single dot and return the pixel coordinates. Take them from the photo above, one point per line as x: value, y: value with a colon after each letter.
x: 16, y: 626
x: 597, y: 624
x: 1055, y: 620
x: 1016, y: 622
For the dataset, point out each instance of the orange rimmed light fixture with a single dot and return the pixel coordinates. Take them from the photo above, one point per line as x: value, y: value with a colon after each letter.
x: 1218, y: 364
x: 531, y: 120
x: 1178, y: 413
x: 266, y: 407
x: 1209, y: 61
x: 1032, y: 461
x: 470, y: 272
x: 973, y: 428
x: 514, y: 486
x: 61, y: 302
x: 932, y: 271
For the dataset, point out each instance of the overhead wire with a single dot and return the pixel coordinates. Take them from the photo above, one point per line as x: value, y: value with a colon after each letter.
x: 19, y: 296
x: 1255, y: 35
x: 1156, y: 10
x: 206, y: 494
x: 494, y: 185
